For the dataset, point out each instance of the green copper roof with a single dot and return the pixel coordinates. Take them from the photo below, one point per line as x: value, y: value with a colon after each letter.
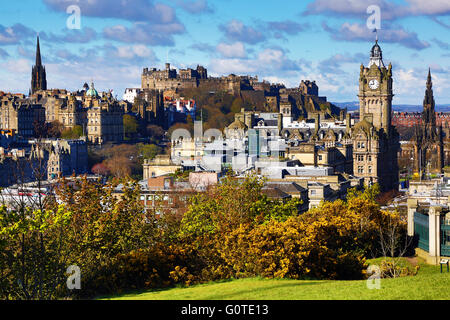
x: 92, y: 92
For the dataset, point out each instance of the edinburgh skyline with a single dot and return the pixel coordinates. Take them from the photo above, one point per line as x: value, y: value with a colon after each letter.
x: 309, y: 40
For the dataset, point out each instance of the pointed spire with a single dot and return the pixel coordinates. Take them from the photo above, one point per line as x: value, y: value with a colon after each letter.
x: 38, y: 53
x: 429, y: 115
x: 429, y: 81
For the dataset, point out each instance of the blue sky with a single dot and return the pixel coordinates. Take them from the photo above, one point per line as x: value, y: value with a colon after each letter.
x: 280, y: 41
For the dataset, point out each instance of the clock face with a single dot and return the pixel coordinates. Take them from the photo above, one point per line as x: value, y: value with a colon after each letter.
x: 373, y: 84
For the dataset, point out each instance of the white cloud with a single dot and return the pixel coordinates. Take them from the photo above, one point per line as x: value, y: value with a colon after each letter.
x: 391, y: 33
x: 18, y: 65
x: 435, y: 7
x: 389, y: 10
x: 268, y: 62
x: 130, y: 52
x: 234, y: 50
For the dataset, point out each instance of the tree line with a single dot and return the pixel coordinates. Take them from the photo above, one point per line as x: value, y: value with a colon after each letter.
x: 230, y: 231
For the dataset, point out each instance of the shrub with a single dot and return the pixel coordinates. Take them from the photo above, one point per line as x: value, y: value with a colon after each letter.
x: 392, y: 268
x: 290, y: 249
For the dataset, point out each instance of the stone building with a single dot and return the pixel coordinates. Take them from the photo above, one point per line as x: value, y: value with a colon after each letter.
x: 428, y: 138
x: 63, y: 157
x: 170, y: 79
x: 375, y: 140
x: 100, y: 116
x: 309, y: 88
x: 131, y: 94
x: 20, y: 115
x: 16, y: 167
x: 104, y: 118
x: 72, y: 113
x: 150, y: 107
x: 412, y: 119
x: 428, y: 151
x: 160, y: 166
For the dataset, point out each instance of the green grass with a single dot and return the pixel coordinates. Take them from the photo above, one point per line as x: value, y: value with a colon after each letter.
x: 428, y: 284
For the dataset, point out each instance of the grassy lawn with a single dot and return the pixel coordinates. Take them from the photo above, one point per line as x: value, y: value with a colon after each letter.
x: 429, y: 283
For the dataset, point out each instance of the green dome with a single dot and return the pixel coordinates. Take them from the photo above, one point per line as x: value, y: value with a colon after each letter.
x: 92, y: 92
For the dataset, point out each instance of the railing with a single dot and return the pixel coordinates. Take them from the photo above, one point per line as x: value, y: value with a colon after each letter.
x: 421, y: 232
x: 445, y: 237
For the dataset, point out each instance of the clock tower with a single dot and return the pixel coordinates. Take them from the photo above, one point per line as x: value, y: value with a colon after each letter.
x: 375, y: 140
x: 375, y: 91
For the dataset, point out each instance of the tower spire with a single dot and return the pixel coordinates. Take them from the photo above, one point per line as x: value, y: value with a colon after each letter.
x: 429, y: 116
x: 38, y: 74
x: 429, y: 81
x: 38, y: 53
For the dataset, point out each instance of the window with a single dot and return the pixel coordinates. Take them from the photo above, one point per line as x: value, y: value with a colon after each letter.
x: 369, y: 158
x: 370, y: 169
x: 320, y: 158
x: 360, y: 169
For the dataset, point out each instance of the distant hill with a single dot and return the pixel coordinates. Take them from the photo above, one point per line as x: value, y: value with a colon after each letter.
x: 351, y: 106
x: 354, y: 105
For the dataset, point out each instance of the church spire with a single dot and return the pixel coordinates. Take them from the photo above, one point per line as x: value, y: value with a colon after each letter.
x: 38, y: 74
x: 38, y: 53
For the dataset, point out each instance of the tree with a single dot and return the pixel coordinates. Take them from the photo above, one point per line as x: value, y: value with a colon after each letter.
x: 149, y: 151
x: 231, y: 203
x: 103, y: 227
x: 394, y: 243
x: 75, y: 133
x: 155, y: 132
x: 55, y: 129
x: 237, y: 105
x: 119, y: 161
x: 40, y: 129
x: 100, y: 169
x: 130, y: 126
x: 119, y: 166
x: 33, y: 255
